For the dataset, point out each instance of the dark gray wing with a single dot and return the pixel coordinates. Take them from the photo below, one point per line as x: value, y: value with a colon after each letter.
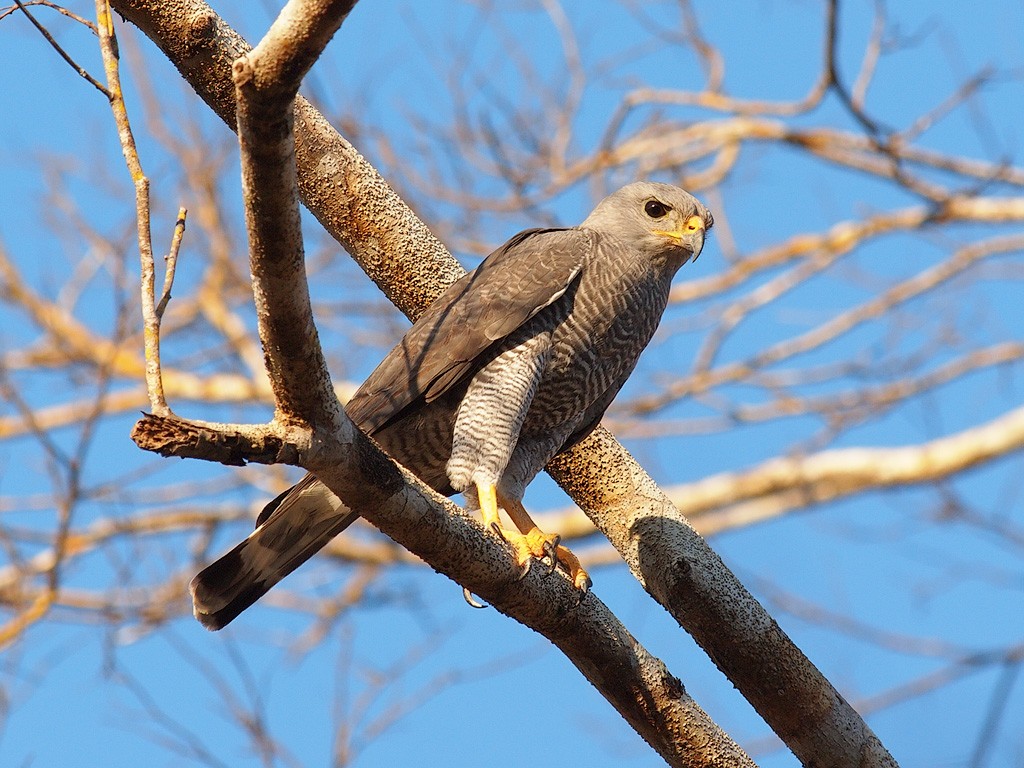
x: 528, y: 273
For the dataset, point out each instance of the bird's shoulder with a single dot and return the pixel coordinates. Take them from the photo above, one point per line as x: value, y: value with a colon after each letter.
x: 530, y: 271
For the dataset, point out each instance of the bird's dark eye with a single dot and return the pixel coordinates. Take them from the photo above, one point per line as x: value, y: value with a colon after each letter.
x: 656, y: 210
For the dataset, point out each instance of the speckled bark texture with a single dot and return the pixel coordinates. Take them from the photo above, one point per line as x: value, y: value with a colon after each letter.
x: 687, y: 577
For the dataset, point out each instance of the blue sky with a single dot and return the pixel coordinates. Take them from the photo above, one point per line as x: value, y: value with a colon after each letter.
x: 890, y: 562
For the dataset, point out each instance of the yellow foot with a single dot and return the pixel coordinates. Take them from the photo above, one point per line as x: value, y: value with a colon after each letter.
x: 532, y: 542
x: 569, y: 561
x: 545, y: 546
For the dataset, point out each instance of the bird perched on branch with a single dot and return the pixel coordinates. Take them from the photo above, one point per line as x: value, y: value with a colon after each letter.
x: 515, y: 362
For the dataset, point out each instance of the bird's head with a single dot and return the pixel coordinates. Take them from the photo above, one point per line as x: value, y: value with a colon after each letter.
x: 665, y: 221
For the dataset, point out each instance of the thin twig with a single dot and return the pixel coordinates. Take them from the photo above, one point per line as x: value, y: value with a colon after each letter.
x: 151, y: 317
x: 63, y: 54
x: 172, y: 263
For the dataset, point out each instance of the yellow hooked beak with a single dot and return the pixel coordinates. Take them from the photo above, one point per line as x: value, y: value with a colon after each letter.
x: 690, y: 227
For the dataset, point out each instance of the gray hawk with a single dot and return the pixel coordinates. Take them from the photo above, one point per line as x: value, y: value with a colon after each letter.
x: 515, y: 362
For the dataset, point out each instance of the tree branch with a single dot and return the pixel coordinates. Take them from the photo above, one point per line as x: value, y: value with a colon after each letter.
x: 266, y: 82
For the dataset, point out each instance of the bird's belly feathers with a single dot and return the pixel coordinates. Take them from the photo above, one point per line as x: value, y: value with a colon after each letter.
x: 592, y: 349
x: 595, y: 350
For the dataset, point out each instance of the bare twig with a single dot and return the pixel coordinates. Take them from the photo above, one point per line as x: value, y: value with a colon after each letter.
x: 151, y: 317
x: 64, y: 54
x: 172, y: 264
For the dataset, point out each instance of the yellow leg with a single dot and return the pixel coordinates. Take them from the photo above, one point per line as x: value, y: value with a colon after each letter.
x: 489, y: 506
x: 530, y: 541
x: 489, y: 513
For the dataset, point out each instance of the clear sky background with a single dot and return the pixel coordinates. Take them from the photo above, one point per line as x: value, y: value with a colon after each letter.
x: 920, y: 589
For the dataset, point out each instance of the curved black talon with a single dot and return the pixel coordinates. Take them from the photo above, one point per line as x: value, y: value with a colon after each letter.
x: 551, y: 552
x: 496, y: 527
